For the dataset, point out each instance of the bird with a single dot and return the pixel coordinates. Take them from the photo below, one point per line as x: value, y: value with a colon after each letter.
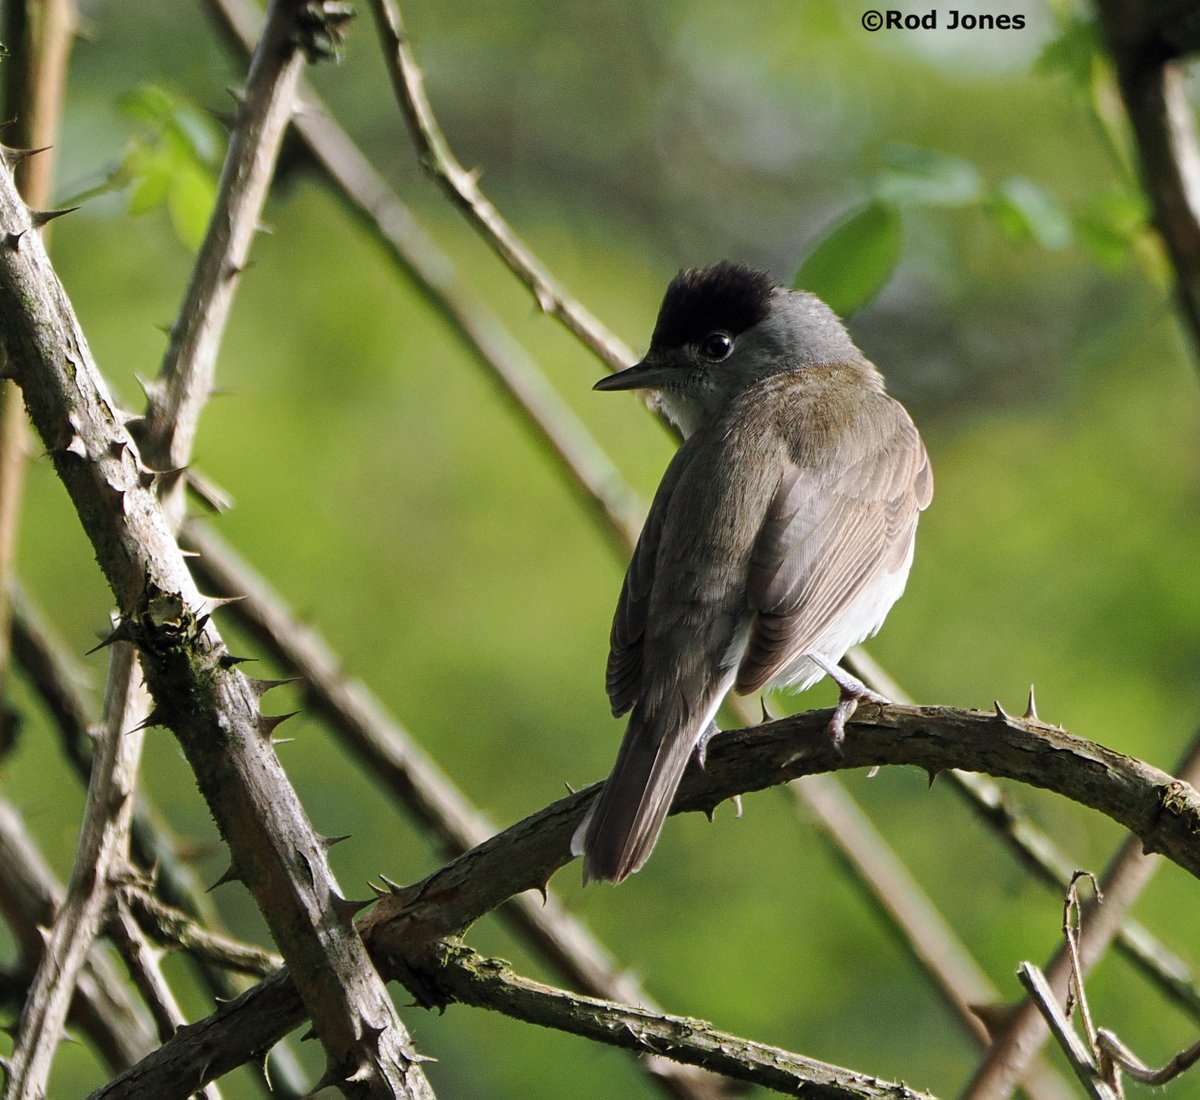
x: 781, y: 533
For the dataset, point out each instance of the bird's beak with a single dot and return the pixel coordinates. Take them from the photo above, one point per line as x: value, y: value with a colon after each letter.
x: 649, y: 374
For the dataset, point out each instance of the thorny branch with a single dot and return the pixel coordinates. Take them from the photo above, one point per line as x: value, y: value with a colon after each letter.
x: 211, y: 707
x: 408, y: 927
x: 103, y: 839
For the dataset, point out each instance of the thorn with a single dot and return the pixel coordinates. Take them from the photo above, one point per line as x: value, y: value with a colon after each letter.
x: 151, y: 388
x: 168, y: 476
x: 185, y: 553
x: 13, y: 240
x: 154, y: 718
x: 229, y: 660
x: 229, y: 875
x: 737, y: 805
x: 209, y: 493
x: 1001, y: 712
x: 12, y: 157
x: 311, y: 1033
x: 933, y: 773
x: 76, y: 447
x: 767, y: 716
x: 120, y: 634
x: 328, y: 842
x: 215, y: 603
x: 371, y: 1032
x: 268, y: 723
x: 394, y: 887
x: 996, y: 1018
x: 541, y: 889
x: 44, y: 217
x: 118, y: 447
x: 380, y: 891
x: 261, y: 687
x: 570, y: 789
x: 708, y: 812
x: 347, y: 907
x: 277, y: 741
x: 1031, y: 708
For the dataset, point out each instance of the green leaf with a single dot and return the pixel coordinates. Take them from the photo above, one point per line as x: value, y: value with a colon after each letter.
x: 1027, y: 211
x: 190, y: 202
x: 851, y: 263
x: 1109, y: 226
x: 1074, y: 51
x: 914, y: 176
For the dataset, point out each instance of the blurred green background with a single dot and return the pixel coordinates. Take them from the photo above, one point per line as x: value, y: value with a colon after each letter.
x: 392, y: 497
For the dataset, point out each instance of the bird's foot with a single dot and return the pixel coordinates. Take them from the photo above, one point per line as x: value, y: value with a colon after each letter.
x: 700, y: 752
x: 852, y: 691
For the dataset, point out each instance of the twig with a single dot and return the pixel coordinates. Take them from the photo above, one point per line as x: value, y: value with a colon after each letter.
x: 185, y: 379
x: 462, y: 187
x: 1117, y: 1053
x: 103, y: 838
x: 1123, y: 881
x: 1076, y: 1051
x: 149, y: 979
x: 1039, y: 853
x: 29, y: 897
x: 211, y: 707
x: 489, y: 983
x: 174, y: 927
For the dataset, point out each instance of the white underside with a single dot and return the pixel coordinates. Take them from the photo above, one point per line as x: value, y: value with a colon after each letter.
x: 860, y: 621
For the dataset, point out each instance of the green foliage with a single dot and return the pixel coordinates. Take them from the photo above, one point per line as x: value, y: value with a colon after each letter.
x: 170, y: 163
x: 849, y: 266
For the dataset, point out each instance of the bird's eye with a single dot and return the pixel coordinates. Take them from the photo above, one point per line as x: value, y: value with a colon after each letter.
x: 716, y: 346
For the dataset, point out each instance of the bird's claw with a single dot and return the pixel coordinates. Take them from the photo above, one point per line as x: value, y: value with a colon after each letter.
x: 700, y: 752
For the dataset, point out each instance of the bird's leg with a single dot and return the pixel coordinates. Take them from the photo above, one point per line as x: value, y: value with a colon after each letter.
x: 852, y: 692
x: 700, y: 752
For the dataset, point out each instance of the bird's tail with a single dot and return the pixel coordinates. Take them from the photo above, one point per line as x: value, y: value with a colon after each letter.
x: 621, y: 828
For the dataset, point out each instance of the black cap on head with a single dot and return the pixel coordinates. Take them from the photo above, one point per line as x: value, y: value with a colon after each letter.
x: 728, y: 296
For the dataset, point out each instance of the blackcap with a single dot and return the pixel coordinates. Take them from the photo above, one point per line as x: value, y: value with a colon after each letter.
x: 781, y: 534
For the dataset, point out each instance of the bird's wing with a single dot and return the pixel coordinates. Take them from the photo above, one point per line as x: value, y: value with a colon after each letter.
x: 624, y: 676
x: 828, y: 532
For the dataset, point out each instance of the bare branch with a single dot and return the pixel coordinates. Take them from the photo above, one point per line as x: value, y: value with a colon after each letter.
x: 185, y: 379
x: 462, y: 188
x: 1119, y: 1054
x: 59, y: 684
x: 209, y: 705
x: 173, y: 927
x: 103, y: 837
x: 1076, y: 1051
x: 148, y: 977
x: 1123, y: 881
x: 489, y: 983
x: 1042, y: 856
x: 406, y: 928
x: 29, y: 897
